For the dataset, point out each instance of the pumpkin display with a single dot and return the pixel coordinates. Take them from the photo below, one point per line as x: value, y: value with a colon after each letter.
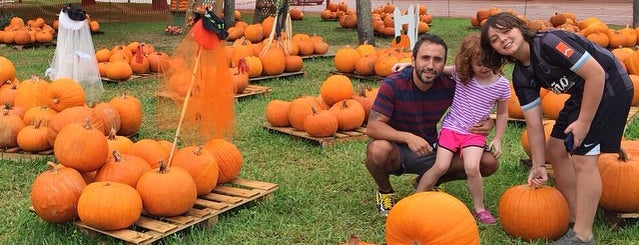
x: 55, y: 193
x: 276, y: 113
x: 449, y: 221
x: 123, y: 168
x: 336, y: 88
x: 81, y: 147
x: 64, y: 93
x: 619, y: 185
x: 228, y: 157
x: 321, y: 123
x: 167, y: 191
x: 533, y: 213
x: 130, y: 110
x: 201, y: 165
x: 109, y: 206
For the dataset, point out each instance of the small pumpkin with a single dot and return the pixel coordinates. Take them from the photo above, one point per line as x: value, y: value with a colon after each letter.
x: 349, y: 113
x: 321, y: 123
x: 167, y: 191
x: 123, y: 168
x: 81, y: 147
x: 33, y: 138
x: 201, y: 165
x: 336, y: 88
x: 619, y: 186
x: 228, y: 157
x: 276, y: 113
x: 130, y: 110
x: 55, y: 193
x: 10, y: 126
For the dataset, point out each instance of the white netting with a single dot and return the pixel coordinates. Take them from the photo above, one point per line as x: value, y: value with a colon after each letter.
x: 75, y: 57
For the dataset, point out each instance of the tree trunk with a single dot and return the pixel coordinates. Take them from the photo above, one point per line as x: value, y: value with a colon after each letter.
x: 635, y: 13
x: 364, y: 28
x: 87, y: 2
x: 159, y: 4
x: 229, y: 13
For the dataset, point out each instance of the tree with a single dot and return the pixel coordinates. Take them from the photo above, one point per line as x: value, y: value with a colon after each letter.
x: 229, y: 13
x: 364, y: 27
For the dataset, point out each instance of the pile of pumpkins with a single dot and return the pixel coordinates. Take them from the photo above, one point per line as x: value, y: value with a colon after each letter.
x: 122, y: 61
x: 33, y: 31
x: 366, y: 60
x: 338, y: 107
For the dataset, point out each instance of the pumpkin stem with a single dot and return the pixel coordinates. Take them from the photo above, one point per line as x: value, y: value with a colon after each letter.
x: 354, y: 240
x: 344, y: 104
x: 623, y: 155
x: 53, y: 167
x: 117, y: 156
x: 87, y: 123
x: 5, y: 112
x: 163, y: 167
x: 362, y: 90
x: 112, y: 134
x: 198, y: 150
x: 314, y: 110
x: 37, y: 124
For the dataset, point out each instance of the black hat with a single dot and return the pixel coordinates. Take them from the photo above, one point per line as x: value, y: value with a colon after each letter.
x: 213, y: 23
x: 74, y: 12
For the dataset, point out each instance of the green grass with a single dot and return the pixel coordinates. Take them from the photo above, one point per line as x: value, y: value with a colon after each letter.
x: 324, y: 195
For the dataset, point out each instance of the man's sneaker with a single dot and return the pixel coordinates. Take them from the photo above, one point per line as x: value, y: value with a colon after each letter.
x: 485, y: 217
x: 570, y: 238
x: 385, y: 202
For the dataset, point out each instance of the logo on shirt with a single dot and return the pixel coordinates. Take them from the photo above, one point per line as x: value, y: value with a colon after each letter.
x: 564, y: 49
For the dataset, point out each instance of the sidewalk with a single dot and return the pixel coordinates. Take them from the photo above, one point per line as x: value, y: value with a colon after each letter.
x: 612, y: 12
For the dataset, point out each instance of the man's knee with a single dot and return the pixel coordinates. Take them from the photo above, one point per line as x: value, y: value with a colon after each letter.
x: 379, y: 152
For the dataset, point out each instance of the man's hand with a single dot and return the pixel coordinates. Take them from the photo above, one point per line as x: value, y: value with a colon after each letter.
x: 418, y: 145
x: 483, y: 127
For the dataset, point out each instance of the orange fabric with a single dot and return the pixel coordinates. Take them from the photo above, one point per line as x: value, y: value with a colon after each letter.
x: 210, y: 111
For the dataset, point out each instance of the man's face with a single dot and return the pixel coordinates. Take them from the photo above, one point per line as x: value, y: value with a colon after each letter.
x: 429, y: 63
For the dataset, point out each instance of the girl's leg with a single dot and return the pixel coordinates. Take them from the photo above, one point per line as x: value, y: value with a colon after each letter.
x: 430, y: 177
x: 471, y: 156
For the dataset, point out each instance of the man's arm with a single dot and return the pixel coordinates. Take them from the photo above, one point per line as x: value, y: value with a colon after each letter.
x: 378, y: 128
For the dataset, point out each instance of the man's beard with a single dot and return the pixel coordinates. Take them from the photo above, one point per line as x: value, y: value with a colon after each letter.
x: 425, y: 80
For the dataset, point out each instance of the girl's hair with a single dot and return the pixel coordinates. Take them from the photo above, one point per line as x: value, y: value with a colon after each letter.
x: 470, y: 54
x: 501, y: 22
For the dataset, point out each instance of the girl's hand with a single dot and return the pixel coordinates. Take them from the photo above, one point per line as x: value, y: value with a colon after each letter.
x: 538, y: 176
x: 495, y: 145
x: 397, y: 67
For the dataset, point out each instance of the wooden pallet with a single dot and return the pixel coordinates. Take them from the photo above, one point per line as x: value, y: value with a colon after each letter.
x: 355, y: 75
x: 15, y: 153
x: 285, y: 74
x: 34, y: 45
x: 253, y: 90
x: 316, y: 56
x: 616, y: 219
x: 341, y: 136
x: 134, y: 76
x: 149, y: 229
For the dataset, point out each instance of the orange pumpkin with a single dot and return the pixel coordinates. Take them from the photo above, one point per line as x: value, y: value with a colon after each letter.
x: 150, y: 150
x: 109, y: 206
x: 123, y: 168
x: 10, y: 126
x: 350, y: 114
x: 63, y: 93
x: 276, y: 113
x: 548, y: 125
x: 345, y: 59
x: 201, y: 165
x: 43, y: 114
x: 620, y: 187
x: 449, y: 221
x: 228, y: 157
x: 299, y: 109
x: 33, y: 138
x: 130, y: 110
x: 533, y: 213
x: 118, y: 143
x: 321, y: 123
x: 336, y: 88
x: 167, y: 191
x: 76, y: 114
x: 55, y: 193
x: 552, y: 103
x: 81, y: 147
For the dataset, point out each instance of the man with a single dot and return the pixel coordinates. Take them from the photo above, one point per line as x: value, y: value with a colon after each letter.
x: 403, y: 122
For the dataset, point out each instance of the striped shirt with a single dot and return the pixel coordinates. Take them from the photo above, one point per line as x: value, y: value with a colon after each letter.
x: 473, y: 103
x: 410, y: 109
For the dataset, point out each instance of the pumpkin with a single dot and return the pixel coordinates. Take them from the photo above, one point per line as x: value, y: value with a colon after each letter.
x: 44, y: 37
x: 296, y: 14
x: 294, y: 63
x: 635, y: 83
x: 548, y: 125
x: 345, y: 59
x: 30, y: 93
x: 33, y: 138
x: 55, y: 193
x: 254, y: 32
x: 533, y: 213
x: 103, y: 55
x: 552, y: 103
x: 167, y: 191
x: 619, y: 185
x: 81, y: 147
x: 130, y: 110
x: 336, y: 88
x: 120, y: 143
x: 299, y: 109
x: 139, y: 63
x: 276, y: 113
x: 63, y: 93
x: 119, y: 70
x: 109, y: 205
x: 8, y: 94
x: 109, y: 115
x: 76, y: 114
x: 320, y: 47
x: 365, y: 65
x: 255, y: 66
x: 151, y: 151
x: 273, y: 61
x: 514, y: 109
x: 228, y: 157
x: 321, y: 123
x: 158, y: 61
x: 7, y: 69
x: 10, y: 126
x: 365, y: 100
x: 123, y: 168
x: 43, y: 114
x: 449, y: 221
x: 201, y: 165
x: 384, y: 64
x: 349, y: 113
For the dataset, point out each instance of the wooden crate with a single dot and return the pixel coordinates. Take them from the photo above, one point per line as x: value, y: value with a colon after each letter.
x: 253, y: 90
x: 341, y: 136
x: 149, y: 229
x: 285, y: 74
x: 355, y: 75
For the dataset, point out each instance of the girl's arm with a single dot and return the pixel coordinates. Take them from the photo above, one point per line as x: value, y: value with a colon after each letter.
x: 500, y: 122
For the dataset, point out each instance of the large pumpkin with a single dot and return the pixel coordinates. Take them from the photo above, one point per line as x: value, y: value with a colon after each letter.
x: 350, y: 114
x: 552, y: 103
x: 167, y: 191
x: 64, y: 93
x: 431, y: 218
x: 201, y: 165
x: 55, y: 193
x: 619, y: 182
x: 336, y: 88
x: 109, y: 205
x: 130, y: 110
x: 81, y: 147
x: 123, y: 168
x: 533, y: 213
